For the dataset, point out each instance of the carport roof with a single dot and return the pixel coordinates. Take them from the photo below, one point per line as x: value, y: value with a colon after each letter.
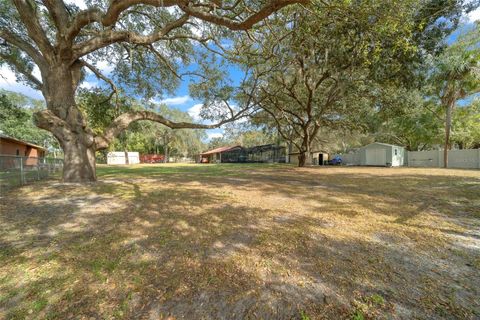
x: 219, y: 150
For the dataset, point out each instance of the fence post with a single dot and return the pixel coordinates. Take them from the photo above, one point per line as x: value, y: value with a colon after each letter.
x: 478, y: 164
x: 21, y: 171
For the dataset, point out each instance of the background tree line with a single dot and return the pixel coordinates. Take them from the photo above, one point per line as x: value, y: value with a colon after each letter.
x: 16, y: 120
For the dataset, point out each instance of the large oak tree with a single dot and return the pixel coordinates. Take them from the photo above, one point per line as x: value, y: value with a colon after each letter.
x: 63, y: 41
x: 313, y: 69
x: 327, y: 65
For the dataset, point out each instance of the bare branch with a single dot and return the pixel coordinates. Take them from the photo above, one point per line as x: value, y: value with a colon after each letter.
x: 101, y: 76
x: 164, y: 61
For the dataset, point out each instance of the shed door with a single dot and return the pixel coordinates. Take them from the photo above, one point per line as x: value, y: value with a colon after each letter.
x: 376, y: 157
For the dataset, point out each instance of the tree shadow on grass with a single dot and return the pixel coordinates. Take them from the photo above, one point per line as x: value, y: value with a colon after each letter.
x: 410, y: 194
x: 125, y: 249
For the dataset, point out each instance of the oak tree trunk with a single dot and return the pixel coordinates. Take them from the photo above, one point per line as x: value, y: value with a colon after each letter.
x: 67, y: 123
x: 301, y: 159
x: 79, y: 162
x: 305, y: 156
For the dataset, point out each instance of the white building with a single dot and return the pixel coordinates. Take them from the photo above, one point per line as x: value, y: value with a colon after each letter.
x: 376, y: 154
x: 119, y: 157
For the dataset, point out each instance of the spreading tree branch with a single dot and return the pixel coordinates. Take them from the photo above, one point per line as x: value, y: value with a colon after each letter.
x: 47, y: 120
x: 59, y: 14
x: 264, y: 12
x: 124, y: 120
x: 24, y: 46
x: 110, y: 36
x: 28, y: 15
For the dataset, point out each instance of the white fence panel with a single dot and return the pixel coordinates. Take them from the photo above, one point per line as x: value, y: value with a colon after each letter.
x: 468, y: 158
x: 464, y: 158
x: 423, y: 158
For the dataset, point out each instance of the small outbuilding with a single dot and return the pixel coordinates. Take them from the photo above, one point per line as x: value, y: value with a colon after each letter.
x: 121, y: 157
x: 14, y: 147
x: 376, y: 154
x: 382, y: 154
x: 14, y: 150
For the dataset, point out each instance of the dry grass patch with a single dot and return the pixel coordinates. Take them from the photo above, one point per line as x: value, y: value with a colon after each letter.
x: 243, y: 242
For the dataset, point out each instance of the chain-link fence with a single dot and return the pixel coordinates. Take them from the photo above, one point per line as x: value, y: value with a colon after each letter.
x: 17, y: 171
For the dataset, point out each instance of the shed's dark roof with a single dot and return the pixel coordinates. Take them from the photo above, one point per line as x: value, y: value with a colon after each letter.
x: 2, y: 136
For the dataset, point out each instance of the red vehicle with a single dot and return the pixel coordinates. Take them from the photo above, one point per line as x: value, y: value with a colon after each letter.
x: 152, y: 158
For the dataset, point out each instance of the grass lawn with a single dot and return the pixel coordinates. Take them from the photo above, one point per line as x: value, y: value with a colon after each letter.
x: 243, y: 242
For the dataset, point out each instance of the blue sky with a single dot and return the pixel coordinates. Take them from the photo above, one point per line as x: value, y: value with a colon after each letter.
x: 181, y: 98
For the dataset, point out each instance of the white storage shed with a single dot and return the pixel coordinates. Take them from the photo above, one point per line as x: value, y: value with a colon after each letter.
x: 376, y: 154
x: 382, y: 154
x: 119, y: 157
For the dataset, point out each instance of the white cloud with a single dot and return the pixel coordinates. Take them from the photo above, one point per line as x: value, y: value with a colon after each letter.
x: 88, y: 84
x: 474, y: 15
x: 197, y: 27
x: 80, y: 3
x: 194, y: 111
x: 242, y: 120
x: 172, y: 9
x: 8, y: 81
x: 7, y: 76
x: 173, y: 101
x: 212, y: 135
x: 104, y: 66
